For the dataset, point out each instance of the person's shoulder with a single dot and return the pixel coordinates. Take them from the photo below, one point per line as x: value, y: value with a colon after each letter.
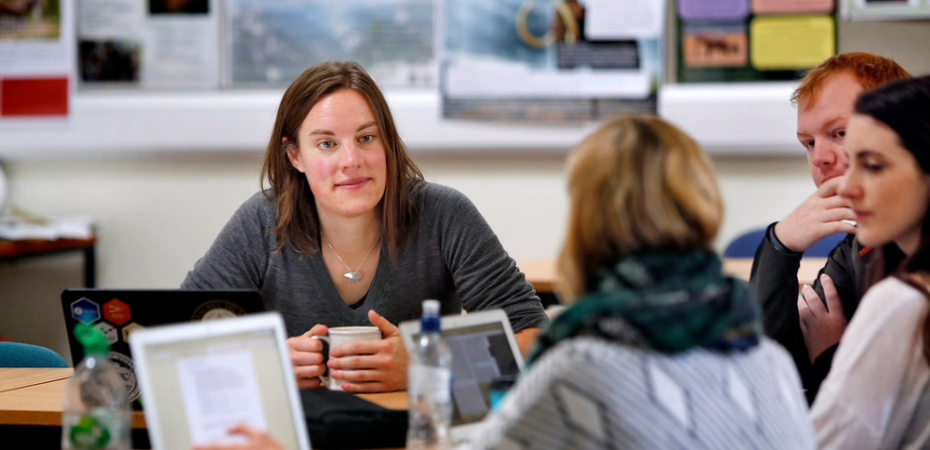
x: 891, y: 303
x: 773, y: 351
x: 589, y: 352
x: 260, y: 205
x: 847, y: 248
x: 426, y: 189
x: 433, y: 195
x: 260, y: 201
x: 894, y: 291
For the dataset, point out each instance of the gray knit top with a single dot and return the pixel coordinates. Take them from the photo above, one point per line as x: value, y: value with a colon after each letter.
x: 452, y: 256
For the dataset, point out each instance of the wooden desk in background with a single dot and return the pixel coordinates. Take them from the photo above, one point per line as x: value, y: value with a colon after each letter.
x: 15, y: 250
x: 541, y: 272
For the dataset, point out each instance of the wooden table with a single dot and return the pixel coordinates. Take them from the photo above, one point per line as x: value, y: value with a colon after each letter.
x: 541, y: 273
x: 11, y: 379
x: 31, y: 406
x: 38, y: 400
x: 15, y: 250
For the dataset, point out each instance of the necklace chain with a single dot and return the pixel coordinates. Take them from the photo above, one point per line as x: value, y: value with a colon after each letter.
x: 353, y: 275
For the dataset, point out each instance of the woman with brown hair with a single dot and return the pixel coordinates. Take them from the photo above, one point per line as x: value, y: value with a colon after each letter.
x: 660, y: 349
x: 349, y: 227
x: 877, y: 394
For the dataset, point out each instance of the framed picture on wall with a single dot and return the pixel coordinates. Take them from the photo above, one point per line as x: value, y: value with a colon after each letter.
x: 573, y: 60
x: 270, y: 43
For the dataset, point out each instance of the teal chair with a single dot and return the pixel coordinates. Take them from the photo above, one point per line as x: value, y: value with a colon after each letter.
x: 15, y: 354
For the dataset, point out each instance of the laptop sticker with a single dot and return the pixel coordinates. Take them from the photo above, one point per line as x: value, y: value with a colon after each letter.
x: 85, y: 311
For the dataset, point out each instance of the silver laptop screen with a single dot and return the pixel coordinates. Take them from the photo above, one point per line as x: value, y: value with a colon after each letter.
x: 480, y: 355
x: 206, y: 385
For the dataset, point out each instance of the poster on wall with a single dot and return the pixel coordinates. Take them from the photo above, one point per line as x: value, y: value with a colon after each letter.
x: 886, y: 9
x: 149, y: 44
x: 271, y: 43
x: 752, y: 40
x: 572, y: 60
x: 36, y: 60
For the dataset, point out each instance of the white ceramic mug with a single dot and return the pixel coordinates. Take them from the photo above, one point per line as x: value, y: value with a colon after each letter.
x: 339, y: 336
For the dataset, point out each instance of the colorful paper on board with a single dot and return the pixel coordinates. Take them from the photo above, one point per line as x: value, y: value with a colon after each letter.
x: 34, y: 97
x: 629, y: 19
x: 715, y: 46
x: 713, y: 10
x: 791, y: 42
x: 792, y: 6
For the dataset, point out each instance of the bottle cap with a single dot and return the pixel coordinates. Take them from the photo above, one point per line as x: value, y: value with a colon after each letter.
x: 92, y: 339
x: 430, y: 307
x: 429, y: 323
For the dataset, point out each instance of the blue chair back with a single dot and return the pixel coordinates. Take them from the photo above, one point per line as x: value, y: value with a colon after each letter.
x: 746, y: 244
x: 15, y: 354
x: 826, y: 245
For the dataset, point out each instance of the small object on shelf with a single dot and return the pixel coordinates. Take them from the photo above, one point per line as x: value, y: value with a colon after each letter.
x: 22, y: 225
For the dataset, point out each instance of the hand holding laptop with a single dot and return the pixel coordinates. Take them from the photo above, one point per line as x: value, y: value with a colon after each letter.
x: 363, y: 366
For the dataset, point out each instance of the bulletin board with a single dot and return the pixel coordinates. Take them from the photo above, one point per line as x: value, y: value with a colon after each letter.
x: 752, y: 40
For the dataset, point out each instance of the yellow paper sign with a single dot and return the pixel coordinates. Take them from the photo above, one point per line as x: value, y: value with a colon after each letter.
x: 791, y: 42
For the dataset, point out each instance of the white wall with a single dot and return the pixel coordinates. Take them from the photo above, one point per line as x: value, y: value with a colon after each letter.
x: 156, y: 217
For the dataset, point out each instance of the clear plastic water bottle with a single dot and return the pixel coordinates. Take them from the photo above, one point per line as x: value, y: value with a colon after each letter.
x: 96, y: 413
x: 429, y: 385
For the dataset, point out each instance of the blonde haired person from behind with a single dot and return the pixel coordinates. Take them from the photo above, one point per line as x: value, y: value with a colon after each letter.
x: 659, y: 349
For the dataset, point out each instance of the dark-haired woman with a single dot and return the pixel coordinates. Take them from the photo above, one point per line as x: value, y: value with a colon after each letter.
x: 877, y: 394
x: 349, y: 228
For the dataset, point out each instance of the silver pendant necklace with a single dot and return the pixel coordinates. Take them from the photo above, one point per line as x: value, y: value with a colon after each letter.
x: 353, y: 275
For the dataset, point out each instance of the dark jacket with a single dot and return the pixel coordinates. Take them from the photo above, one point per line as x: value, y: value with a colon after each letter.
x: 774, y: 276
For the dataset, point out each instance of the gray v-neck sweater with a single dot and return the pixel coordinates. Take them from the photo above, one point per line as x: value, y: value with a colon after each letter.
x: 452, y: 256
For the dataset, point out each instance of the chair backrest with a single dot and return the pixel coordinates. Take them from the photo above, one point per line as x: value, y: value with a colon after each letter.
x: 826, y: 245
x: 746, y: 244
x: 15, y: 354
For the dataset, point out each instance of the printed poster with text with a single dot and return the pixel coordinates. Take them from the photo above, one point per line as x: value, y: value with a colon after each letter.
x: 563, y: 61
x: 36, y: 60
x: 270, y: 43
x: 149, y: 43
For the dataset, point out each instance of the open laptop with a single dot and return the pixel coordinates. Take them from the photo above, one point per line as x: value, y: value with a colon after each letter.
x: 119, y: 313
x: 484, y: 350
x: 200, y: 379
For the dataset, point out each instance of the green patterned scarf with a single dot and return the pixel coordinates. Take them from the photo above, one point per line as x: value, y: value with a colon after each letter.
x: 666, y: 302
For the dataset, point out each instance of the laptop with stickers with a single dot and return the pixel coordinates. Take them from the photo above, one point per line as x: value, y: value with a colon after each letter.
x: 484, y: 353
x: 199, y: 380
x: 119, y: 313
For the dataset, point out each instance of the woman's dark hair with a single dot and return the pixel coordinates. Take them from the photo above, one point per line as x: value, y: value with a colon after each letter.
x: 297, y: 219
x: 904, y: 106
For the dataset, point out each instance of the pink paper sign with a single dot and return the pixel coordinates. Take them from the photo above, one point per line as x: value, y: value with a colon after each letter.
x: 792, y: 6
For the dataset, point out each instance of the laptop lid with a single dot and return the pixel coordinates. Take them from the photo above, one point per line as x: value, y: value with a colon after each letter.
x: 198, y: 380
x: 119, y: 313
x: 483, y: 350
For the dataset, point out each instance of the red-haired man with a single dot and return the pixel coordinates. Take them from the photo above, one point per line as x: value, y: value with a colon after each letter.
x: 810, y: 324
